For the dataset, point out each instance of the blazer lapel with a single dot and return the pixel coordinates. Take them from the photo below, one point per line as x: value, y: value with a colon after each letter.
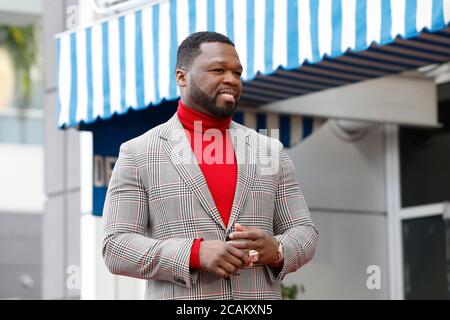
x: 246, y: 158
x: 179, y: 150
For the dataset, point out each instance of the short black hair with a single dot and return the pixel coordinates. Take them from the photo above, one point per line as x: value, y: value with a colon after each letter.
x: 189, y: 49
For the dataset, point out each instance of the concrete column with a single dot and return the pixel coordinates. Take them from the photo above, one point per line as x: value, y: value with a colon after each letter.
x: 61, y: 220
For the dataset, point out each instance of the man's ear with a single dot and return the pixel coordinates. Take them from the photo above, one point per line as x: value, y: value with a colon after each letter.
x: 181, y: 76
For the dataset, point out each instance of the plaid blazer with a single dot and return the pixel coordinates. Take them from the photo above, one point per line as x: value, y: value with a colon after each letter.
x: 158, y: 202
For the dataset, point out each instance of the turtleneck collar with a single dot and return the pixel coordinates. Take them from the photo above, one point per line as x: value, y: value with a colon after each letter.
x: 188, y: 116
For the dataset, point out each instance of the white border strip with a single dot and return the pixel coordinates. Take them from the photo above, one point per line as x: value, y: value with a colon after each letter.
x: 395, y: 261
x: 424, y: 211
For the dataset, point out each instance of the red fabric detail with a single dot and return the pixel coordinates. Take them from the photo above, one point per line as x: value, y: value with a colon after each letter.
x: 220, y: 174
x: 194, y: 261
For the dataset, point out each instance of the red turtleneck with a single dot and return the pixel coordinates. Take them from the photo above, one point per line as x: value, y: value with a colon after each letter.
x: 220, y: 174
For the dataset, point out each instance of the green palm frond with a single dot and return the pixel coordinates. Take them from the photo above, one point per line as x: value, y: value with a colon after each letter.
x: 21, y: 43
x: 289, y: 292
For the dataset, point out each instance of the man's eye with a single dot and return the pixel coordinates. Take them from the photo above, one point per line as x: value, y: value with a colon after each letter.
x: 218, y: 70
x: 238, y: 74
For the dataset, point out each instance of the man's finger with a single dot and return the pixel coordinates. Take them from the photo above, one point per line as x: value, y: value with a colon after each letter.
x: 250, y: 235
x: 243, y: 245
x: 222, y: 273
x: 228, y: 267
x: 240, y: 227
x: 239, y: 254
x: 236, y: 262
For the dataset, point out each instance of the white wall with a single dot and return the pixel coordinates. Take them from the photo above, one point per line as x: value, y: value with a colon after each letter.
x: 344, y: 185
x: 342, y: 175
x: 21, y: 179
x: 348, y: 244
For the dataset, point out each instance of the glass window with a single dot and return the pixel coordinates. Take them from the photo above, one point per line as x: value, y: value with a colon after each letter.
x: 21, y: 90
x: 424, y: 162
x: 424, y: 254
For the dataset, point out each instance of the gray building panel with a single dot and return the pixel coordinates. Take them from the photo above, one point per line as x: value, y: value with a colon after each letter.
x: 54, y: 247
x: 20, y: 256
x: 342, y: 175
x: 61, y: 222
x: 54, y: 148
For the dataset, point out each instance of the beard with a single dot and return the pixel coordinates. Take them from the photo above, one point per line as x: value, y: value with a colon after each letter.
x: 210, y: 103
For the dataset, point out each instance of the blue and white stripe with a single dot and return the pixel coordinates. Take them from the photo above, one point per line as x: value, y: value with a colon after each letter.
x: 128, y: 61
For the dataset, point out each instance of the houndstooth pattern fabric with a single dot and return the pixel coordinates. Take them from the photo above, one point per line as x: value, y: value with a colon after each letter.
x: 158, y: 202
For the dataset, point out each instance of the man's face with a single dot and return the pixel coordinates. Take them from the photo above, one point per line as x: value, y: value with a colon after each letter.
x: 212, y: 84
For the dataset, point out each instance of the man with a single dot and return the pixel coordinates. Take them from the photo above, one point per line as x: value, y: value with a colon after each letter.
x: 192, y: 205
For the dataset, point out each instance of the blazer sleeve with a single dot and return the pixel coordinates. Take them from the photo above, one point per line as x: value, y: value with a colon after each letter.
x: 127, y: 248
x: 293, y: 226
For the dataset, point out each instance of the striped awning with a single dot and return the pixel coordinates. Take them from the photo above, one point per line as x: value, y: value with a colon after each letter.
x: 287, y: 47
